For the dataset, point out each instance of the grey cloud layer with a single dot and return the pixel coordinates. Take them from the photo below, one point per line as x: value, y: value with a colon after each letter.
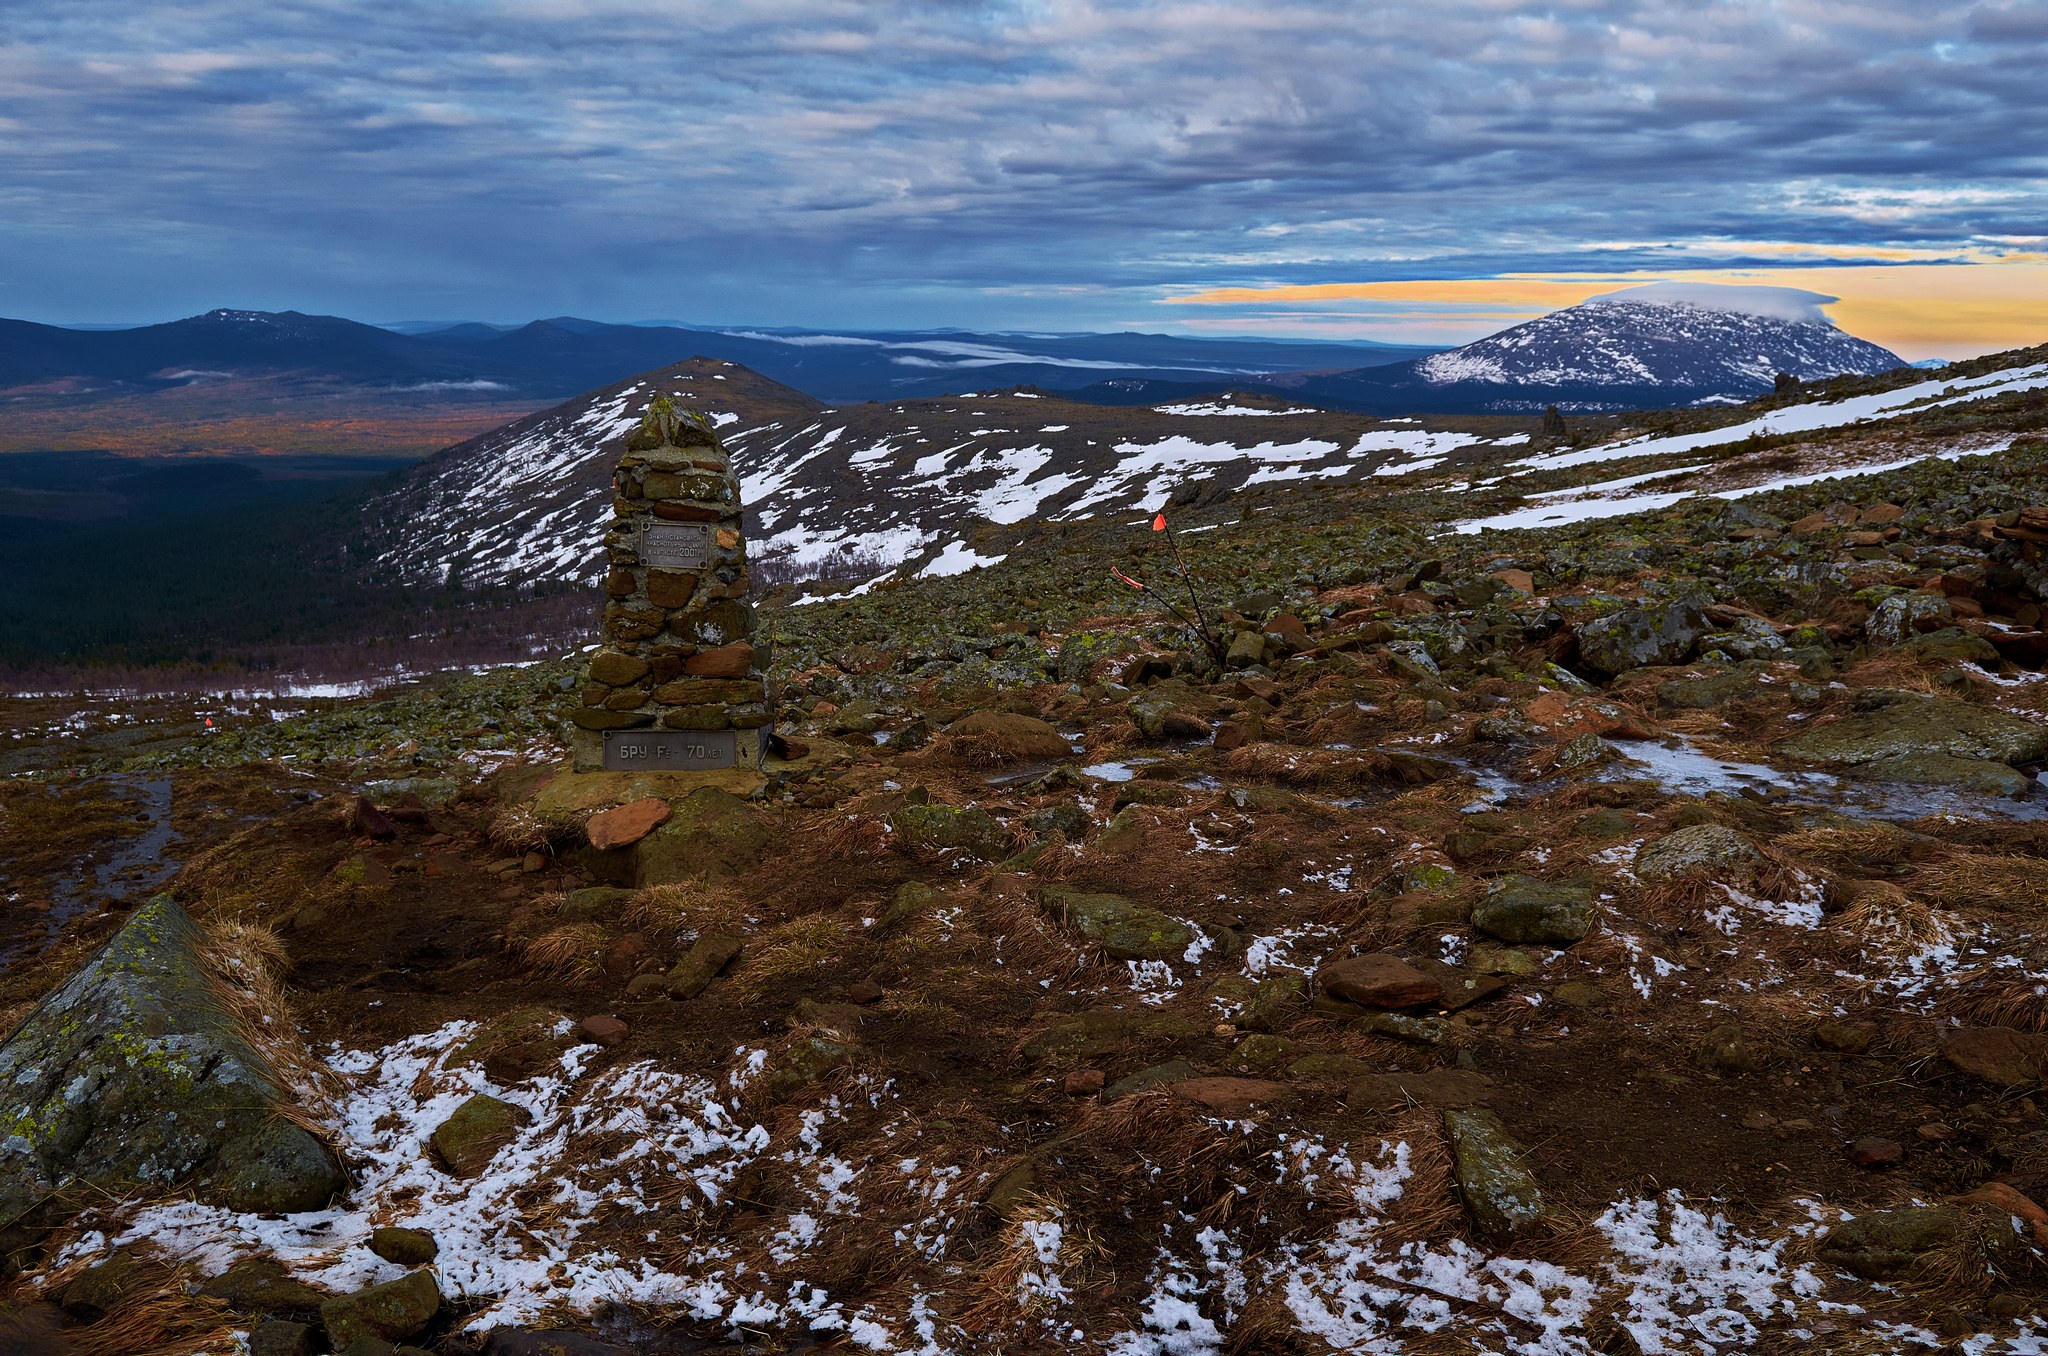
x: 825, y: 157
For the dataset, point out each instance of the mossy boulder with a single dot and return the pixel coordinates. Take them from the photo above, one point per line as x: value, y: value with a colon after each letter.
x: 1887, y: 1244
x: 135, y: 1076
x: 1886, y: 724
x: 1123, y: 929
x: 471, y: 1137
x: 390, y: 1312
x: 1699, y: 851
x: 1636, y: 637
x: 517, y: 1044
x: 1979, y: 775
x: 1526, y: 911
x: 714, y: 835
x: 950, y: 830
x: 1499, y: 1193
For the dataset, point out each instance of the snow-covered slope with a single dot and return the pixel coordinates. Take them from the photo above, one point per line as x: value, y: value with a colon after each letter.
x: 904, y: 480
x: 1656, y: 347
x: 1704, y: 343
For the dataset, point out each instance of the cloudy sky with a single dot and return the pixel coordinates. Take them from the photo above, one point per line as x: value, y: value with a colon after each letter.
x: 1425, y: 171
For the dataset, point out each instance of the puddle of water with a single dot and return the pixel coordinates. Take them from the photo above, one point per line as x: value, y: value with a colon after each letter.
x: 1110, y: 772
x: 132, y: 873
x: 1682, y: 766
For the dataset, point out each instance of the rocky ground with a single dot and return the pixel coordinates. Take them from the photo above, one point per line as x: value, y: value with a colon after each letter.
x: 1623, y: 937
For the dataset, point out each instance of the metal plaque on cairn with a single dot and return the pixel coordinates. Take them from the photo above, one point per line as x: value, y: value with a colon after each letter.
x: 675, y: 683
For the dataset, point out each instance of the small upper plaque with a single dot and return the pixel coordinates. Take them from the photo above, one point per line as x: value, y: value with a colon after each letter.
x: 676, y: 546
x: 669, y: 750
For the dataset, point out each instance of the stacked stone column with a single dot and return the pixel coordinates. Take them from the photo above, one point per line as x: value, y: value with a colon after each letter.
x: 676, y: 653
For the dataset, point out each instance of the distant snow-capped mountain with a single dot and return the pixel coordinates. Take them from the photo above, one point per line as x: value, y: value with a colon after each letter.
x: 1661, y: 345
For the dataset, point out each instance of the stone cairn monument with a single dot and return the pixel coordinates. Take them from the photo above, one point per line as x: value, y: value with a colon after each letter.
x: 675, y: 683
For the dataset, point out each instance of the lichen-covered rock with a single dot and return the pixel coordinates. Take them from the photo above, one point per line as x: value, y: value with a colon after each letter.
x: 466, y: 1142
x: 135, y: 1076
x: 1638, y: 636
x: 1701, y: 850
x: 1896, y: 618
x: 1123, y: 929
x: 1885, y: 1244
x: 1500, y: 1194
x: 1889, y: 724
x: 390, y: 1312
x: 1964, y: 774
x: 1526, y: 911
x: 937, y: 830
x: 713, y: 835
x: 406, y: 1247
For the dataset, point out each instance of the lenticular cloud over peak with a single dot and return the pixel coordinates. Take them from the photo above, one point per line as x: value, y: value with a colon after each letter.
x: 1793, y: 304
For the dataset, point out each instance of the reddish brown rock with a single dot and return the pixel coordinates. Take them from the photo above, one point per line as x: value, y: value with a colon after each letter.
x: 1519, y: 580
x: 601, y: 1030
x: 864, y: 991
x: 1877, y: 1153
x: 1231, y: 1096
x: 687, y: 513
x: 726, y: 661
x: 532, y: 862
x: 669, y: 588
x: 1997, y: 1054
x: 1085, y: 1082
x: 1378, y: 981
x: 619, y: 583
x: 1881, y: 513
x: 627, y: 824
x: 368, y: 820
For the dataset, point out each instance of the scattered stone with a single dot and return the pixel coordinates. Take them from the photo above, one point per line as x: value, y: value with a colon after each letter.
x: 1886, y: 724
x: 706, y: 959
x: 281, y: 1337
x: 135, y: 1074
x: 863, y: 992
x: 516, y: 1044
x: 1637, y: 636
x: 1877, y: 1153
x: 103, y: 1288
x: 1378, y: 981
x: 806, y: 1062
x: 1702, y: 850
x: 1000, y: 736
x: 1500, y: 1194
x: 595, y: 904
x: 1013, y: 1190
x: 1402, y: 1027
x: 390, y: 1312
x: 945, y: 830
x: 628, y: 824
x: 261, y: 1285
x: 470, y: 1138
x: 1123, y: 929
x: 1999, y: 1055
x: 1885, y: 1244
x: 1527, y: 911
x: 1850, y: 1038
x: 601, y: 1030
x: 1231, y: 1096
x: 1084, y: 1082
x: 1728, y: 1049
x: 370, y: 821
x: 406, y: 1247
x: 1158, y: 1076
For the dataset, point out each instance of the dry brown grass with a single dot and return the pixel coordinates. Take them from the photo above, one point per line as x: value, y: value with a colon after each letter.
x: 155, y: 1315
x: 1986, y: 881
x: 1888, y: 920
x: 2017, y: 1003
x: 1001, y: 1295
x: 571, y: 950
x: 786, y: 954
x: 669, y: 911
x: 248, y: 963
x: 1331, y: 769
x: 1849, y: 846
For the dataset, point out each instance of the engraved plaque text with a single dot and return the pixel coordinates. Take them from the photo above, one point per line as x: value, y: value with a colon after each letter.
x: 676, y: 546
x: 669, y: 750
